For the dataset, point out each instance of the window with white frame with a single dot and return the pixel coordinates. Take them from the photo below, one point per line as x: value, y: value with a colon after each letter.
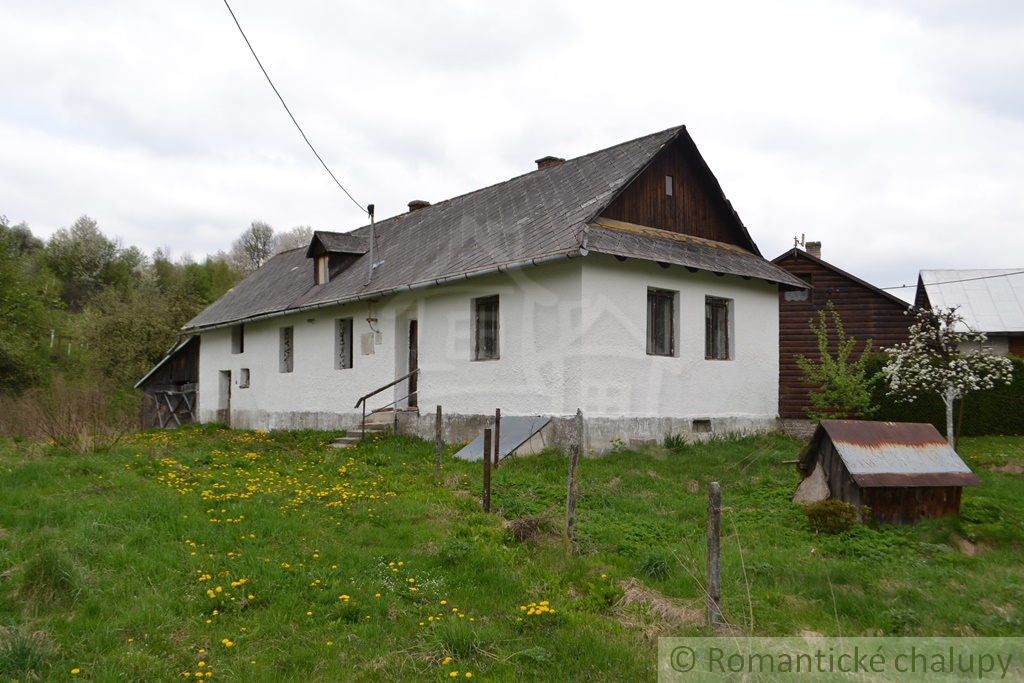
x: 342, y: 343
x: 287, y: 349
x: 485, y: 328
x: 716, y: 328
x: 661, y: 322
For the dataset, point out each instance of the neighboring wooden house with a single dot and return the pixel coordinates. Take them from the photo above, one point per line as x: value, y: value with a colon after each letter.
x: 170, y: 390
x: 865, y: 311
x: 621, y: 283
x: 902, y: 471
x: 990, y: 301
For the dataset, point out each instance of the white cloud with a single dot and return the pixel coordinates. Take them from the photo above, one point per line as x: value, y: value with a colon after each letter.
x: 887, y: 130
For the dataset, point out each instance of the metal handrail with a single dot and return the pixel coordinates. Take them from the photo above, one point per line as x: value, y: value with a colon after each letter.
x: 362, y: 400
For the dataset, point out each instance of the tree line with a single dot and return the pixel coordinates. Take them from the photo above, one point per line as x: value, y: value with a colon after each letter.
x: 86, y: 307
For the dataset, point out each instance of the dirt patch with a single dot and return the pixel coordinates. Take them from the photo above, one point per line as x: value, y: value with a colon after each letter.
x: 652, y: 613
x: 965, y: 547
x: 526, y: 529
x: 1009, y: 468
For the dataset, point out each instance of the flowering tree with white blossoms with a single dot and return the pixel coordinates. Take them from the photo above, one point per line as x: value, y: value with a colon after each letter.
x: 934, y: 360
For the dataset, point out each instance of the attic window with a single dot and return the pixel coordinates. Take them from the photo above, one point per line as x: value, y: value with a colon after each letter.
x: 323, y: 275
x: 669, y: 191
x: 801, y: 294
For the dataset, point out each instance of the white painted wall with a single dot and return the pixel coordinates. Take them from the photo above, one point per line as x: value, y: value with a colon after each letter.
x: 572, y: 334
x: 621, y: 379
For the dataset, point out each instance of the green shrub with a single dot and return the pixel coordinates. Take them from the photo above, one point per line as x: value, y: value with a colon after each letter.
x: 22, y: 653
x: 654, y: 565
x: 830, y: 516
x: 675, y: 442
x: 50, y: 578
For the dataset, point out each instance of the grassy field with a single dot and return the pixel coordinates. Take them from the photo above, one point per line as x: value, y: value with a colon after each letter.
x: 243, y: 556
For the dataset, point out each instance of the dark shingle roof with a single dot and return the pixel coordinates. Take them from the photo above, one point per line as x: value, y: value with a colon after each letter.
x: 539, y: 215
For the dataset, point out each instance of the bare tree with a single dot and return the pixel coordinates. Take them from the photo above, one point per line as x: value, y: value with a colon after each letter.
x: 298, y: 237
x: 253, y: 247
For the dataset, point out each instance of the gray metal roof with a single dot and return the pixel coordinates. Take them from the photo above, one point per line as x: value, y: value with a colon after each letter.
x: 536, y: 217
x: 892, y: 454
x: 990, y: 300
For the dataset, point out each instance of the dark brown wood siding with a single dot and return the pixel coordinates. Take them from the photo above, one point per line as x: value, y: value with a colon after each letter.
x: 906, y: 505
x: 865, y: 312
x: 696, y: 206
x: 177, y: 374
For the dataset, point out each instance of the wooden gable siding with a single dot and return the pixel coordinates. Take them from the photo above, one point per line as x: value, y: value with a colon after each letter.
x: 696, y: 206
x: 864, y: 311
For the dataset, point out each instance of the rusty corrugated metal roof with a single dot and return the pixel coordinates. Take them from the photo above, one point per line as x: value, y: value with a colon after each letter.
x: 894, y: 453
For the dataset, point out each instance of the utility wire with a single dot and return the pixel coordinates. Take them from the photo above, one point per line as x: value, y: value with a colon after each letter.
x: 950, y: 282
x: 361, y: 208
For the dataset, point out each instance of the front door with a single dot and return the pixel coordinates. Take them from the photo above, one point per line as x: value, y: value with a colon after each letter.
x: 224, y: 398
x: 413, y: 362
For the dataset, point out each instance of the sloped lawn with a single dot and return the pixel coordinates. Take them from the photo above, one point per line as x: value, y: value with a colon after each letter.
x: 228, y: 555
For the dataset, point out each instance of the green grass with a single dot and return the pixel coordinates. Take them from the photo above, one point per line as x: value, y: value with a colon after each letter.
x: 273, y: 557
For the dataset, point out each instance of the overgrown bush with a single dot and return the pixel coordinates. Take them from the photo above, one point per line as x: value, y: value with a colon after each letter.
x: 840, y: 384
x: 81, y: 418
x: 830, y: 516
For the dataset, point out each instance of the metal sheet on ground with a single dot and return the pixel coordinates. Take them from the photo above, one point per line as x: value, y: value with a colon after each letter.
x: 515, y: 431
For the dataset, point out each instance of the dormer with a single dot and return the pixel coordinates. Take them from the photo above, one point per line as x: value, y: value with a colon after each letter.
x: 333, y: 252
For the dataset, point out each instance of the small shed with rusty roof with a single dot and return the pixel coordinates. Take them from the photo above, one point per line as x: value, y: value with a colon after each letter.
x: 902, y: 471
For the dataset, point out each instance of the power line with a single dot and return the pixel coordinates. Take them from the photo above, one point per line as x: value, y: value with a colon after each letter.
x: 966, y: 279
x: 289, y: 110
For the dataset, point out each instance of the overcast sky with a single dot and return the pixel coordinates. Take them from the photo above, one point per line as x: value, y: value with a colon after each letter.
x: 890, y: 130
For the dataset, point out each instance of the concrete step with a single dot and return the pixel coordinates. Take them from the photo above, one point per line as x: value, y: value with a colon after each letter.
x: 354, y: 436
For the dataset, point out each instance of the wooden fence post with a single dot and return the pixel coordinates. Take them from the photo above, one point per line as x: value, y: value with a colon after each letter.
x: 437, y: 445
x: 570, y: 499
x: 487, y: 470
x: 497, y: 436
x: 714, y: 584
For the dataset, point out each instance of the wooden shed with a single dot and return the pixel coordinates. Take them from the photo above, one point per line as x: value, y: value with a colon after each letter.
x: 866, y: 313
x: 902, y: 471
x: 171, y: 388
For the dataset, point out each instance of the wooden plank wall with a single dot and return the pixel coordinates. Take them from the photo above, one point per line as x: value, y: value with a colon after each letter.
x: 695, y: 208
x: 865, y: 314
x: 906, y: 505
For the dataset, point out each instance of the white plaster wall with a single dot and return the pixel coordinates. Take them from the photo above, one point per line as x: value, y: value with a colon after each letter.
x: 538, y: 371
x: 314, y: 394
x: 622, y: 380
x: 572, y: 334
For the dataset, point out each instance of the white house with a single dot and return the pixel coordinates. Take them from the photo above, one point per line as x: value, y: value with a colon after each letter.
x: 990, y: 301
x: 621, y: 283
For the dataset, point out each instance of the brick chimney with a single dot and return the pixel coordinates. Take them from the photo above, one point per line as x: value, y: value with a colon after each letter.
x: 547, y: 162
x: 814, y: 249
x: 417, y: 204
